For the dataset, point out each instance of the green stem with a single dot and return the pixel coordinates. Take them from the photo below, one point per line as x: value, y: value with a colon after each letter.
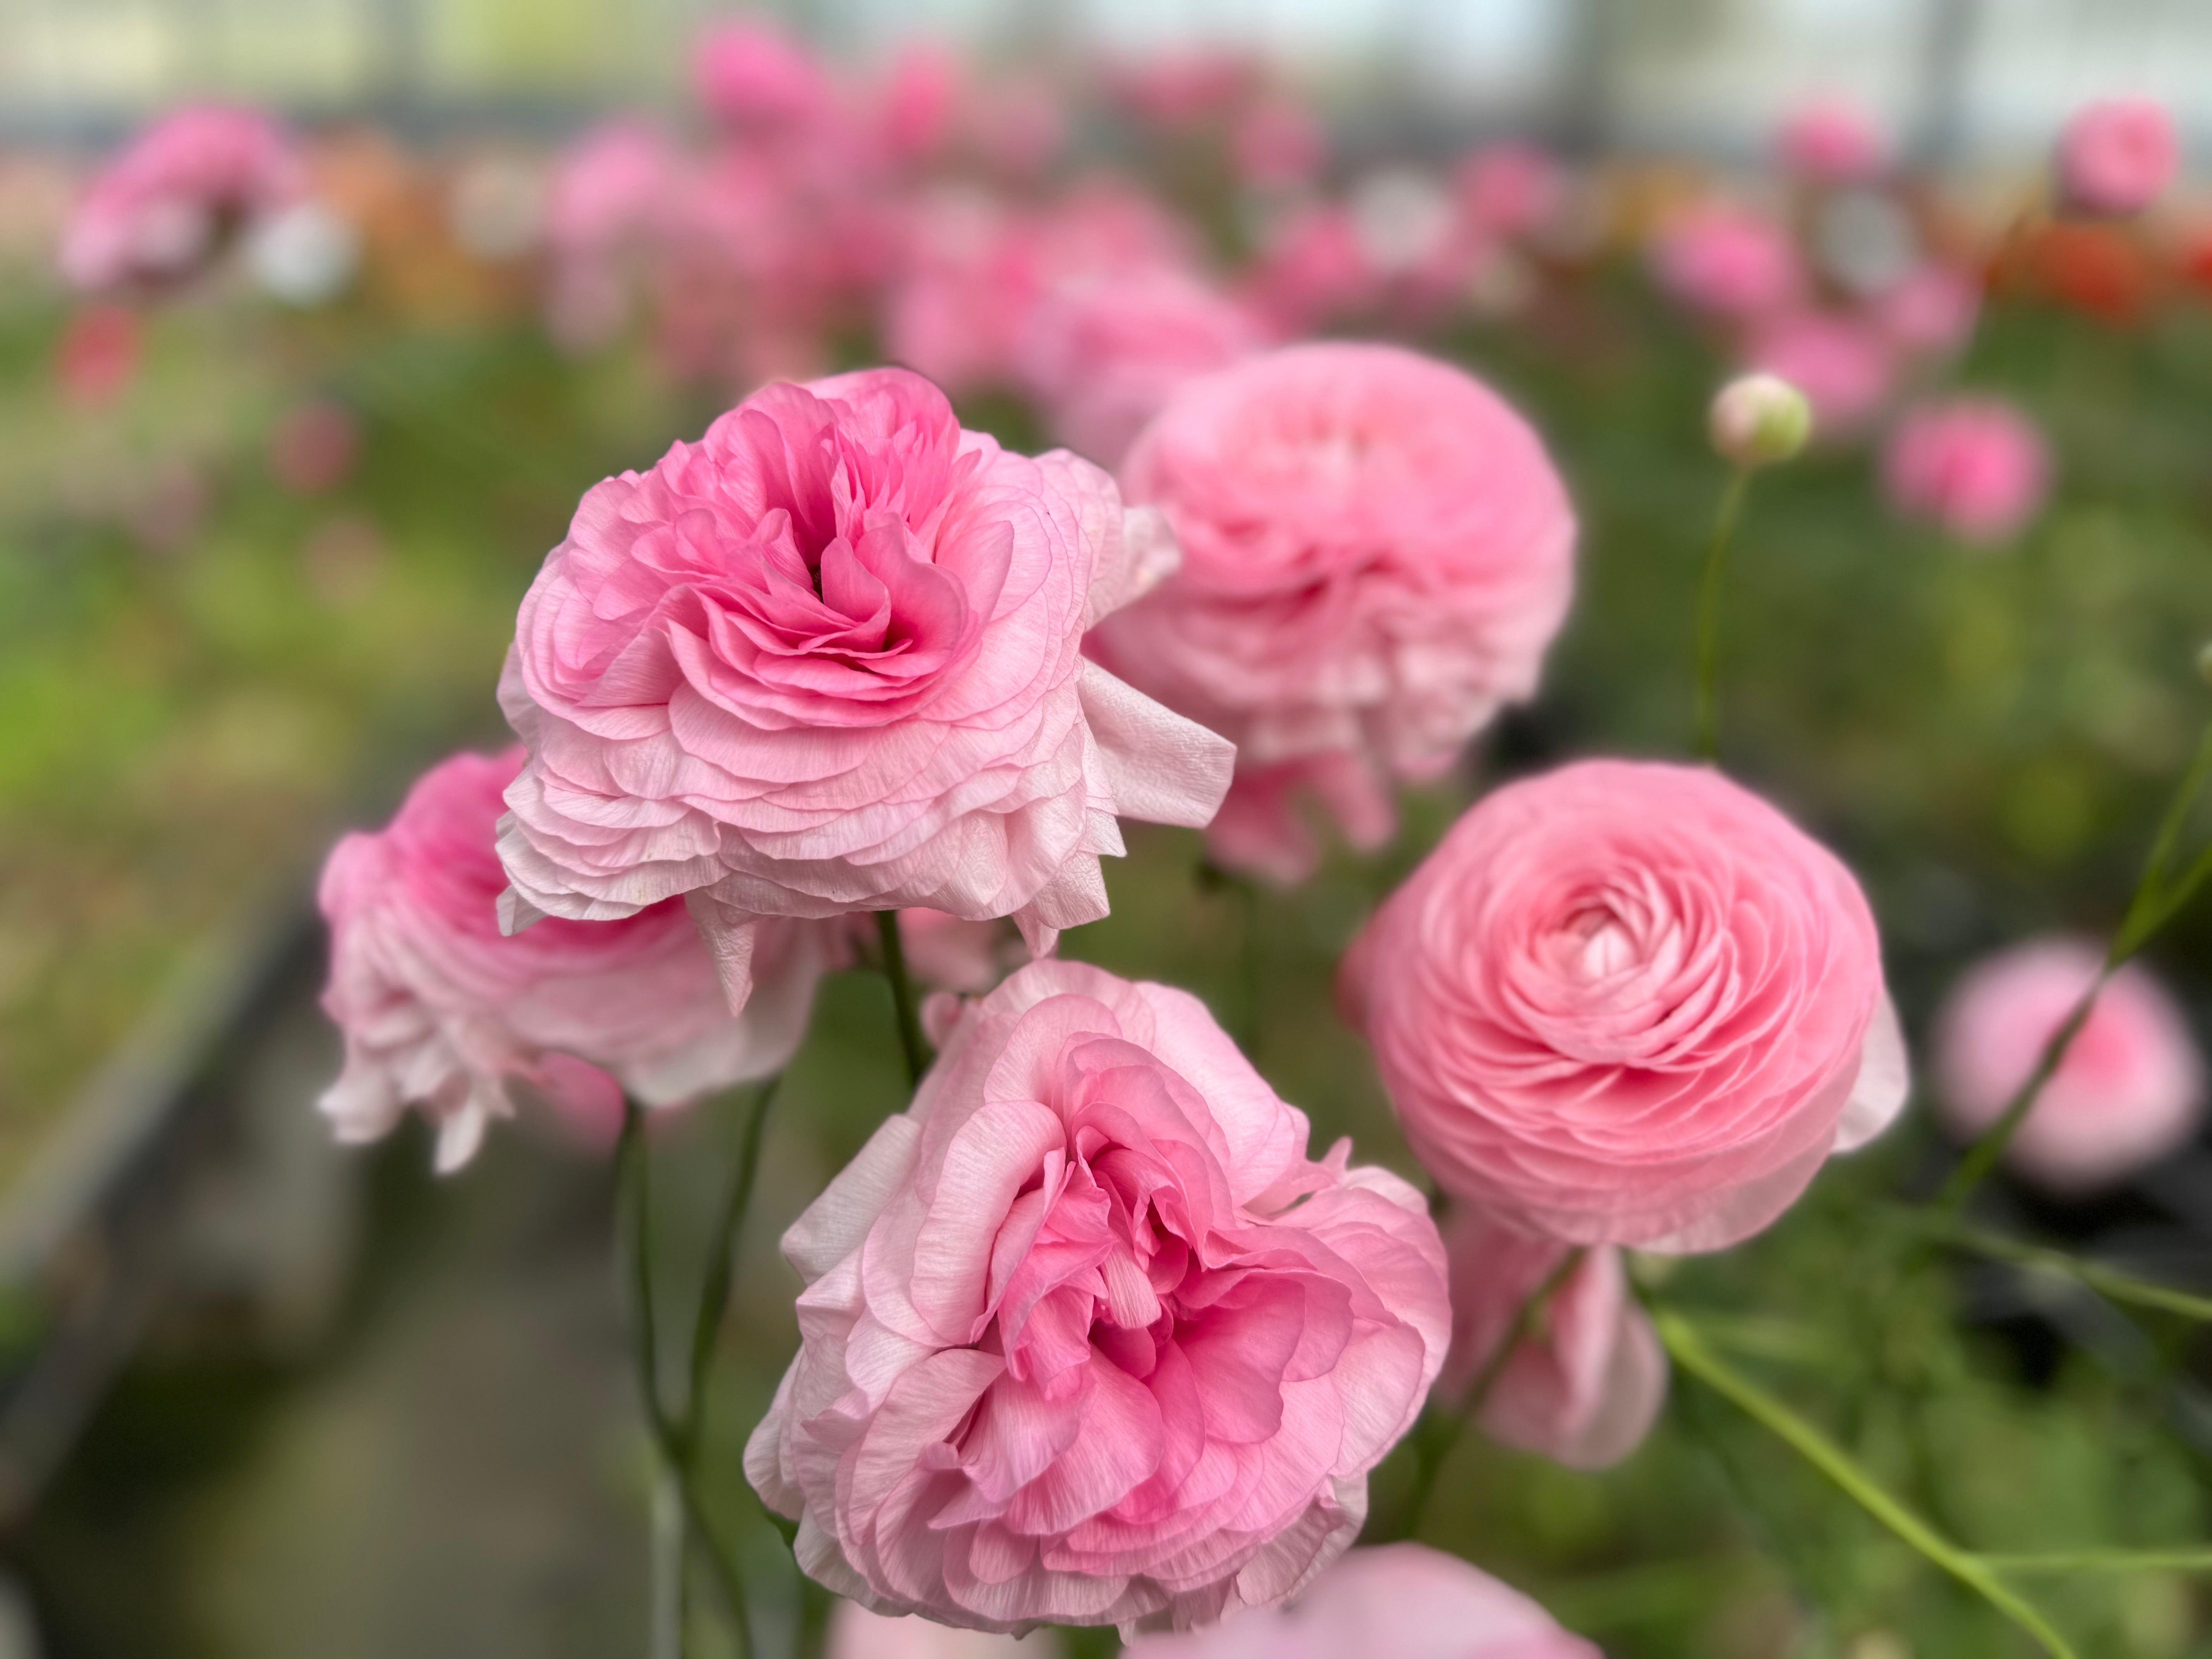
x: 668, y: 1559
x: 714, y: 1291
x: 1709, y: 613
x: 2119, y: 1286
x: 2116, y: 1561
x: 1435, y: 1439
x: 1690, y: 1352
x: 911, y: 1041
x: 1989, y: 1146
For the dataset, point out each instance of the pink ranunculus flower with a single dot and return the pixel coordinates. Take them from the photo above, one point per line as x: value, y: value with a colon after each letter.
x: 1278, y: 144
x: 2129, y: 1090
x: 1585, y: 1388
x: 857, y: 1633
x: 1402, y: 1600
x: 1728, y: 261
x: 950, y: 953
x: 1831, y: 141
x: 609, y: 190
x: 1511, y: 190
x: 828, y: 658
x: 2116, y: 155
x: 1629, y: 1003
x: 1103, y: 353
x: 440, y: 1011
x: 760, y: 82
x: 1845, y: 367
x: 1377, y: 552
x: 162, y: 209
x: 1087, y: 1336
x: 1975, y: 465
x: 1932, y: 311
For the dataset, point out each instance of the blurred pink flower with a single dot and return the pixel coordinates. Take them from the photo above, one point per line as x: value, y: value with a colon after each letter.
x: 1975, y: 465
x: 2129, y: 1090
x: 609, y: 189
x: 1278, y: 142
x: 1181, y: 88
x: 1585, y: 1388
x: 2118, y: 155
x: 314, y: 446
x: 1728, y: 261
x: 439, y: 1011
x: 759, y: 83
x: 167, y: 205
x: 1628, y: 1003
x: 1087, y: 1337
x: 100, y: 350
x: 950, y: 953
x: 1377, y: 553
x: 1511, y: 190
x: 1392, y: 1601
x: 1831, y: 141
x: 1311, y: 270
x: 828, y: 658
x: 918, y: 105
x: 1845, y: 367
x: 1103, y: 354
x: 1932, y: 311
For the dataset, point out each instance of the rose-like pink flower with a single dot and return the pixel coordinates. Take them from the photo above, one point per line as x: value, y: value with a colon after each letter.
x: 439, y: 1011
x: 1845, y: 367
x: 1629, y: 1003
x: 1377, y: 552
x: 1932, y: 311
x: 857, y: 1633
x: 1278, y: 144
x: 1510, y: 189
x: 828, y: 658
x: 2129, y: 1090
x: 1585, y: 1386
x: 1087, y: 1337
x: 609, y: 189
x: 760, y: 82
x: 1405, y: 1600
x: 1975, y: 465
x: 1728, y: 261
x: 1103, y: 353
x: 165, y: 207
x: 2116, y: 155
x: 1831, y: 141
x: 1311, y: 270
x: 919, y: 103
x: 950, y: 953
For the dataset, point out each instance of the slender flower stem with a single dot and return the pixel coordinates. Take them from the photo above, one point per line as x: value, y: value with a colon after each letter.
x: 714, y: 1289
x: 668, y: 1557
x: 1435, y: 1437
x: 2154, y: 902
x: 1689, y: 1350
x: 1709, y: 613
x: 911, y: 1041
x: 2106, y: 1281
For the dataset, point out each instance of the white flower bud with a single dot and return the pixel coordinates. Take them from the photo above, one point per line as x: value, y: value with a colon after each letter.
x: 1759, y: 419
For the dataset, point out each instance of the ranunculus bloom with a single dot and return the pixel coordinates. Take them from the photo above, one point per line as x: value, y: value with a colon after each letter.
x: 1844, y: 367
x: 827, y: 658
x: 1933, y: 310
x: 1831, y: 142
x: 160, y: 210
x: 1377, y: 552
x: 1975, y: 465
x: 2116, y: 155
x: 1087, y: 1337
x: 1402, y: 1600
x: 1103, y: 354
x: 857, y: 1633
x: 952, y: 954
x: 1629, y: 1003
x: 1728, y: 261
x: 608, y: 190
x: 2130, y: 1090
x: 1278, y: 142
x: 439, y: 1010
x: 1510, y: 190
x: 1585, y: 1386
x: 760, y: 82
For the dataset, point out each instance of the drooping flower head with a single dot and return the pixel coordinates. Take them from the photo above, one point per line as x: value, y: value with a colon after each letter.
x: 1629, y: 1003
x: 1582, y: 1387
x: 1377, y: 552
x: 1977, y: 466
x: 827, y: 658
x: 1087, y: 1336
x: 2118, y: 155
x: 440, y: 1011
x: 165, y: 207
x: 2130, y: 1090
x: 1406, y: 1601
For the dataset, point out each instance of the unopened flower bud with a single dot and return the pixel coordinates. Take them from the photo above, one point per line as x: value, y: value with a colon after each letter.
x: 1757, y: 420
